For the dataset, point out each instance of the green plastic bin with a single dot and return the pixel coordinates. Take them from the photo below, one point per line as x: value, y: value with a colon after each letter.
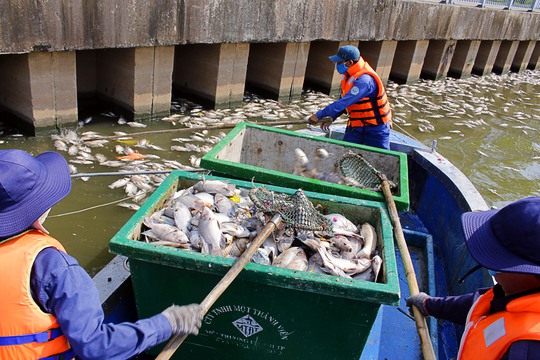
x: 267, y: 155
x: 267, y: 312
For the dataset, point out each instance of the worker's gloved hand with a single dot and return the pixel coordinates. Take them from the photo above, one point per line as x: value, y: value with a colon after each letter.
x: 184, y: 320
x: 418, y: 300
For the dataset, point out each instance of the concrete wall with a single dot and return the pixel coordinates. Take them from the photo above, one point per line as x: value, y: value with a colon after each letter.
x: 56, y: 25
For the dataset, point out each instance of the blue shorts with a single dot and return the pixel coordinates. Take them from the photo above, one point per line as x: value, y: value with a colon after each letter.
x: 376, y: 136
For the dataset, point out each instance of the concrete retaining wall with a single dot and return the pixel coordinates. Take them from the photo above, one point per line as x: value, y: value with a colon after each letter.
x: 59, y: 25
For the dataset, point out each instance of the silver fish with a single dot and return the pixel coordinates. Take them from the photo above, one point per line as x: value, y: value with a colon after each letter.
x: 182, y: 217
x: 167, y: 232
x: 210, y: 233
x: 215, y: 186
x: 224, y: 205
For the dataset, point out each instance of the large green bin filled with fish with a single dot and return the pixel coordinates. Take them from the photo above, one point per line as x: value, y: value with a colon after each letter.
x: 268, y: 312
x: 267, y: 155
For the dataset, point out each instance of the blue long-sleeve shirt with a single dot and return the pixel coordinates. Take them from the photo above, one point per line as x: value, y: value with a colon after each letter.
x: 63, y: 288
x: 456, y: 308
x: 364, y: 86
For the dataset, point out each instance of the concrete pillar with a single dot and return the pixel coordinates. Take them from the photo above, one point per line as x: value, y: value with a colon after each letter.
x: 534, y: 61
x: 137, y: 79
x: 486, y: 56
x: 523, y: 55
x: 153, y: 80
x: 506, y: 54
x: 321, y: 74
x: 39, y: 88
x: 212, y: 74
x: 231, y: 81
x: 463, y: 59
x: 277, y: 70
x: 411, y: 58
x: 380, y: 55
x: 438, y: 58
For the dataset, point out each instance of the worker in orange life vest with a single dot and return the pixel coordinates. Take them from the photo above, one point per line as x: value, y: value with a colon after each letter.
x: 50, y: 307
x: 502, y: 322
x: 363, y: 97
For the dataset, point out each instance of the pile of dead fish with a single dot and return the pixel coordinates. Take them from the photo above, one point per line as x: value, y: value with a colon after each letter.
x: 215, y: 217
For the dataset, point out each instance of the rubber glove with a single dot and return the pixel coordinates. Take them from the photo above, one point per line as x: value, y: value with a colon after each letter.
x: 185, y: 319
x: 418, y: 300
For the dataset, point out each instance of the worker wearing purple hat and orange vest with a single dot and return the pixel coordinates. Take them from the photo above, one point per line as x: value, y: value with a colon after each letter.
x: 502, y: 322
x: 363, y: 97
x: 50, y: 307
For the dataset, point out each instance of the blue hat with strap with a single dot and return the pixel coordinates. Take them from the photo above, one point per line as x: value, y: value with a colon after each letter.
x: 345, y: 53
x: 29, y: 186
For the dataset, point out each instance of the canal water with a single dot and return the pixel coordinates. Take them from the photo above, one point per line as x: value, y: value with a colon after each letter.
x: 487, y: 126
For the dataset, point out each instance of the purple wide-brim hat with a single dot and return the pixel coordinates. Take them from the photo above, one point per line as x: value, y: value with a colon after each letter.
x: 29, y: 186
x: 506, y: 240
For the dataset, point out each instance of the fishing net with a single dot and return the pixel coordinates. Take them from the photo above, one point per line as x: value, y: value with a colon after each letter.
x: 354, y: 167
x: 296, y: 210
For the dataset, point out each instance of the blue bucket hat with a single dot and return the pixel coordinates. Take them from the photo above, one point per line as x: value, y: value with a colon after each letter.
x: 347, y: 52
x: 506, y: 240
x: 29, y: 186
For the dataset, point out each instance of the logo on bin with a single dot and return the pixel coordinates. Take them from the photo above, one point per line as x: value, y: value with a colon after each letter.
x: 247, y: 325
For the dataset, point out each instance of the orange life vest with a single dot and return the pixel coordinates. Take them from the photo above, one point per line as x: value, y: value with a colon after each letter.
x: 367, y: 111
x: 36, y: 334
x: 489, y: 336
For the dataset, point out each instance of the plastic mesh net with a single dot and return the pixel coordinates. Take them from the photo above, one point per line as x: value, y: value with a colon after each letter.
x: 355, y: 167
x: 296, y: 210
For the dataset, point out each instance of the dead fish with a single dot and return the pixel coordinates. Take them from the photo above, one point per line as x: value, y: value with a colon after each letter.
x: 210, y: 233
x: 376, y: 265
x: 215, y: 186
x: 182, y: 217
x: 236, y: 248
x: 135, y: 124
x: 129, y: 206
x: 321, y: 153
x: 224, y: 205
x: 344, y: 267
x: 166, y: 232
x: 119, y: 183
x: 343, y: 245
x: 303, y: 166
x: 293, y: 258
x: 341, y: 222
x: 315, y: 264
x: 234, y: 229
x: 370, y: 241
x: 206, y: 198
x: 284, y: 240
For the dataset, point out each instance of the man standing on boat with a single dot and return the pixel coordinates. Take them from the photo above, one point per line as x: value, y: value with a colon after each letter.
x: 363, y: 97
x: 502, y: 322
x: 50, y: 307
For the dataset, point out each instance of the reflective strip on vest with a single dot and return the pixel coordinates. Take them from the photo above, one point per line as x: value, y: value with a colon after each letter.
x: 367, y: 111
x: 488, y: 336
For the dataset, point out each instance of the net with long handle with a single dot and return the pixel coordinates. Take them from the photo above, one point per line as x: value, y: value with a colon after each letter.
x: 353, y: 166
x: 296, y: 210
